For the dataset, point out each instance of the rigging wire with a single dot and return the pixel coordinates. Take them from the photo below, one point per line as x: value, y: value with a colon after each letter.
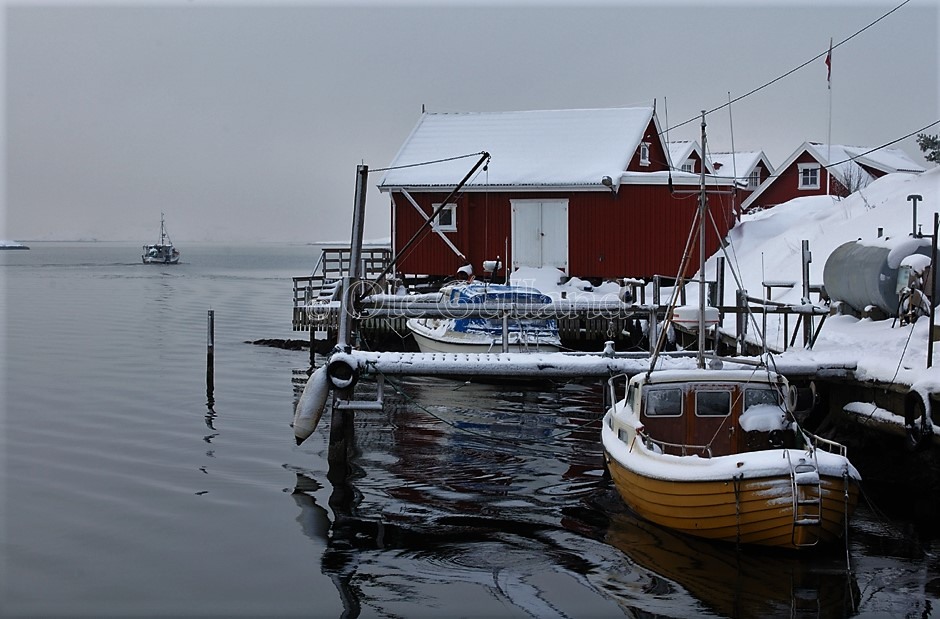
x: 794, y: 70
x: 413, y: 242
x: 422, y: 163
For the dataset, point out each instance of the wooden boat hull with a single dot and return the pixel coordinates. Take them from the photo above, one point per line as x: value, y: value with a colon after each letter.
x: 747, y: 511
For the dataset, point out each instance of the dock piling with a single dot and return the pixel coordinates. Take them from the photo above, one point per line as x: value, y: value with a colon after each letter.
x: 210, y: 358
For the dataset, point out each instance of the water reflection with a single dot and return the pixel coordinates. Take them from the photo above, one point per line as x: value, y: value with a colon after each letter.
x: 740, y: 582
x: 460, y: 500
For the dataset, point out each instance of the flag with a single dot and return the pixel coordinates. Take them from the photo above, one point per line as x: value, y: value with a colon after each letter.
x: 829, y: 66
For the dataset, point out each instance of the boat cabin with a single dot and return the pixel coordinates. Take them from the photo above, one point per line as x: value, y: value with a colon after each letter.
x: 710, y: 417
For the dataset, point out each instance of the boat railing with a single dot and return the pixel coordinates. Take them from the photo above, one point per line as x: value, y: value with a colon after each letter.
x: 616, y: 392
x: 825, y: 444
x: 675, y: 449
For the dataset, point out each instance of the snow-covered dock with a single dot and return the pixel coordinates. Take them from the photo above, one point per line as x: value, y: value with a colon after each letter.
x: 556, y: 365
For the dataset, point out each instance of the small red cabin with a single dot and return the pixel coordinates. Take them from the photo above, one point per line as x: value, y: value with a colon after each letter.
x: 822, y: 169
x: 590, y: 192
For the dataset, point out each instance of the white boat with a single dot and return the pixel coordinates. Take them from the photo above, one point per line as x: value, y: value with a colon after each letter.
x: 485, y: 333
x: 163, y: 252
x: 715, y: 453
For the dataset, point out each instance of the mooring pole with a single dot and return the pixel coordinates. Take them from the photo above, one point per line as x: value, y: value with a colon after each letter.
x: 210, y: 358
x: 931, y: 282
x: 342, y: 420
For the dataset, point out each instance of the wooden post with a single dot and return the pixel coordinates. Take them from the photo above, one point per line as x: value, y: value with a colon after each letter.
x: 720, y: 288
x: 741, y: 318
x: 933, y: 288
x: 807, y: 318
x: 210, y: 359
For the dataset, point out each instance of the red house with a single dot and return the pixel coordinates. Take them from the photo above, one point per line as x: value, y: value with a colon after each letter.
x: 587, y: 191
x: 748, y: 168
x: 822, y: 169
x: 686, y: 156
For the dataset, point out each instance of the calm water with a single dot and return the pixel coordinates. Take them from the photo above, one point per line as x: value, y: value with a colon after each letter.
x: 124, y: 493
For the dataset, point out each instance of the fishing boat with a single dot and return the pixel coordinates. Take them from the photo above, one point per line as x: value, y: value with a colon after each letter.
x: 163, y: 252
x: 715, y: 451
x: 486, y: 332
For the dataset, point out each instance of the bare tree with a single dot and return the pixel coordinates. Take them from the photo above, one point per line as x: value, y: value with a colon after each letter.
x: 853, y: 179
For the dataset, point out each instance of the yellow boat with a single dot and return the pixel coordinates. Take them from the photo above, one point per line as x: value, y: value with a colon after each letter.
x: 714, y: 453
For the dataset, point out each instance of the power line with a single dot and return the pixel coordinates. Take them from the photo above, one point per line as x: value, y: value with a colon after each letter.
x: 791, y: 71
x: 921, y: 130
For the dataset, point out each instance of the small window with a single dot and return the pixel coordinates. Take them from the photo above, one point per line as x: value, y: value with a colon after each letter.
x: 809, y: 176
x: 753, y: 397
x: 688, y: 166
x: 446, y: 220
x: 713, y: 403
x: 644, y: 153
x: 754, y: 179
x: 663, y: 403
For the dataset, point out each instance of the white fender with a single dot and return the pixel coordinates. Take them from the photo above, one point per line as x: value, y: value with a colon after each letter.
x: 311, y: 404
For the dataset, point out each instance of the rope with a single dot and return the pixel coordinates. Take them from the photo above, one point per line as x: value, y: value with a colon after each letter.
x: 414, y: 165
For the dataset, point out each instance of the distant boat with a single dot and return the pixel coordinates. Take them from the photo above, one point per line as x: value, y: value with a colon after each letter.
x: 162, y: 252
x: 483, y: 334
x: 12, y: 245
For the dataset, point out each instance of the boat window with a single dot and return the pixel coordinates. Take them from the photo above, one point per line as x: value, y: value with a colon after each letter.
x: 712, y: 403
x: 753, y: 397
x: 663, y: 403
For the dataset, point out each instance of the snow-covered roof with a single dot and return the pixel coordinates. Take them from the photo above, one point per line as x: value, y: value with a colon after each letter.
x: 886, y: 159
x: 843, y: 162
x: 541, y: 148
x: 680, y: 151
x: 740, y: 164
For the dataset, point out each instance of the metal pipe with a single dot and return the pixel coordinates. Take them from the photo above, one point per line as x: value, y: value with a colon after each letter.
x: 355, y: 253
x: 703, y: 202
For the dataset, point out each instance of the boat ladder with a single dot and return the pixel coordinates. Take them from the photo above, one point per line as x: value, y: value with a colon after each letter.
x: 806, y: 489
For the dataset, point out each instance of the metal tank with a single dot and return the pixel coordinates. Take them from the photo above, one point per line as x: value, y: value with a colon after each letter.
x: 862, y: 274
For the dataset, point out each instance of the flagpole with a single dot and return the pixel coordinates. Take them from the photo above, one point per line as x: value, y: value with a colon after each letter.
x: 829, y: 135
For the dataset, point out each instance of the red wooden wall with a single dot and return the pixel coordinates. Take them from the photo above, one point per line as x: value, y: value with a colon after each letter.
x: 639, y: 232
x: 786, y: 186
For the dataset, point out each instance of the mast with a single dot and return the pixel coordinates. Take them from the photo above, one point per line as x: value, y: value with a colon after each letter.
x: 702, y: 206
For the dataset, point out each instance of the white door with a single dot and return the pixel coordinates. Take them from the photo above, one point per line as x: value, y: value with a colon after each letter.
x: 540, y: 234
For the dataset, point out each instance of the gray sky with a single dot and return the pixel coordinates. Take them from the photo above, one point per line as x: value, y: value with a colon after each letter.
x: 245, y: 121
